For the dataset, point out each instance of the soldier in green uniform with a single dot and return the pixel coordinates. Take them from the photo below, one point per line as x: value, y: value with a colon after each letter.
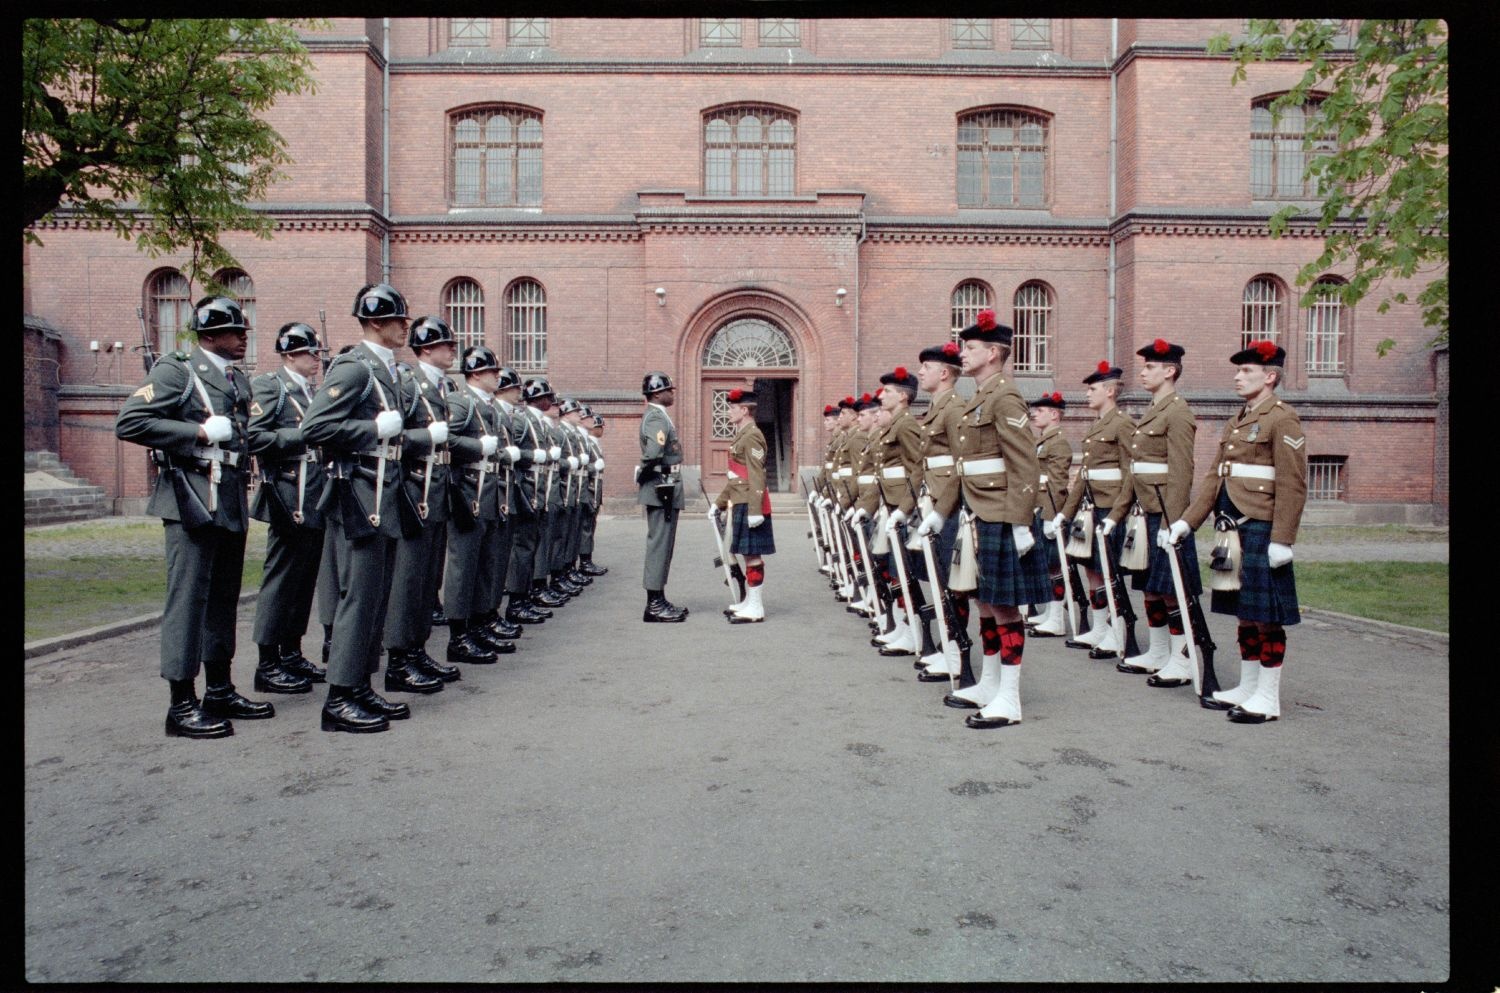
x: 748, y: 502
x: 508, y: 453
x: 538, y: 397
x: 593, y: 424
x: 582, y: 469
x: 193, y: 412
x: 529, y: 434
x: 1056, y: 456
x: 659, y: 477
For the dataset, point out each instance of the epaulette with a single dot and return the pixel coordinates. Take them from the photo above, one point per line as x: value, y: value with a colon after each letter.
x: 180, y: 355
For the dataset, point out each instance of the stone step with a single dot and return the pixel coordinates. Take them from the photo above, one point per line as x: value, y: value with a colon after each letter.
x: 58, y: 504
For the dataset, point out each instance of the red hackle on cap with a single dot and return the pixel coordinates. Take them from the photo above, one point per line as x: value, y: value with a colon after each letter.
x: 1103, y: 366
x: 951, y: 348
x: 900, y: 372
x: 985, y: 320
x: 1265, y: 349
x: 735, y: 395
x: 849, y: 400
x: 1056, y: 397
x: 1160, y: 346
x: 866, y: 398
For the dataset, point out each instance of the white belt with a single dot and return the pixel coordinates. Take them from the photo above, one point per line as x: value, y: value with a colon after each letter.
x: 828, y: 466
x: 1043, y: 480
x: 1243, y: 471
x: 865, y: 480
x: 1103, y: 475
x: 981, y: 467
x: 846, y: 471
x: 894, y: 472
x: 1148, y: 467
x: 939, y: 461
x: 731, y: 474
x: 216, y: 455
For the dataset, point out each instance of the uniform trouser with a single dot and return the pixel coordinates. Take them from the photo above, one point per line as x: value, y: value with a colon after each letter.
x: 525, y: 536
x: 204, y: 568
x: 586, y: 531
x: 360, y: 620
x: 661, y: 538
x: 435, y: 567
x: 333, y: 574
x: 541, y: 562
x: 289, y: 583
x: 409, y: 618
x: 505, y: 537
x: 469, y: 569
x: 565, y: 544
x: 575, y: 535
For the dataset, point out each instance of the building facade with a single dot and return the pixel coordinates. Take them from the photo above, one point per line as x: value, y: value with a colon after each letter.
x: 797, y: 204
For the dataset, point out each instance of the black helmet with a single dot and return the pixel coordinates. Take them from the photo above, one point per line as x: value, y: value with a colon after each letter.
x: 214, y: 314
x: 297, y: 337
x: 598, y: 421
x: 428, y: 331
x: 477, y: 358
x: 536, y: 389
x: 377, y: 300
x: 569, y: 405
x: 509, y: 379
x: 656, y: 382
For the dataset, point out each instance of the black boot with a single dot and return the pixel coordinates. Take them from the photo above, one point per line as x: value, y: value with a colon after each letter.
x: 659, y: 610
x: 487, y: 639
x: 185, y: 719
x: 373, y: 701
x: 272, y: 677
x: 427, y: 665
x: 462, y: 648
x: 220, y: 699
x: 521, y: 611
x: 293, y: 661
x: 578, y: 578
x: 342, y: 712
x: 401, y: 677
x: 501, y: 628
x: 589, y: 567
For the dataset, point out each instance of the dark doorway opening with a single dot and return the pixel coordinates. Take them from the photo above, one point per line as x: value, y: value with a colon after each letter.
x: 773, y: 415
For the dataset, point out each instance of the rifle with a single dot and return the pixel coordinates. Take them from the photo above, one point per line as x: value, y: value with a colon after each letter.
x: 733, y: 575
x: 947, y: 619
x: 882, y: 599
x: 1120, y: 611
x: 840, y: 579
x: 1206, y: 681
x: 148, y: 354
x: 812, y: 525
x: 323, y: 340
x: 1074, y: 603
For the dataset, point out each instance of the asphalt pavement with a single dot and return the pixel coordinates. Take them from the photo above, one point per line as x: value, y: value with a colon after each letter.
x: 774, y: 802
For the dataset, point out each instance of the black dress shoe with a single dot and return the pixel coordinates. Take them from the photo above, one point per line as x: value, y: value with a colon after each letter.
x: 293, y: 661
x: 378, y: 704
x: 1101, y: 653
x: 949, y: 700
x: 465, y: 649
x: 1071, y: 643
x: 186, y: 719
x: 275, y: 679
x: 1240, y: 715
x: 888, y: 652
x: 976, y: 721
x: 660, y: 611
x: 1133, y: 669
x: 343, y: 712
x: 1169, y: 683
x: 223, y: 701
x: 501, y: 628
x: 931, y: 677
x: 487, y: 639
x: 439, y: 619
x: 539, y: 610
x: 1209, y: 703
x: 402, y: 677
x: 578, y: 578
x: 524, y: 615
x: 548, y: 598
x: 591, y: 568
x: 429, y: 666
x: 564, y: 588
x: 741, y: 619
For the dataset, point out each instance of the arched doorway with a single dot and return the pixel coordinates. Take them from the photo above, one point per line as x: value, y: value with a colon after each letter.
x: 757, y: 353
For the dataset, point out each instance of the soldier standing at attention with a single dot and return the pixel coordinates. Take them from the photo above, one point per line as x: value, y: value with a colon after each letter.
x: 292, y: 479
x: 1258, y: 482
x: 660, y: 479
x: 745, y: 497
x: 1056, y: 457
x: 898, y: 469
x: 937, y: 373
x: 593, y: 424
x: 529, y: 435
x: 509, y: 429
x: 193, y: 413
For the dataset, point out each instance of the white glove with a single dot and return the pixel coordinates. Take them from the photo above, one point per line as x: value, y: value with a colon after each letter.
x: 755, y: 520
x: 219, y: 428
x: 554, y: 453
x: 824, y: 502
x: 931, y: 524
x: 1025, y: 542
x: 387, y: 424
x: 512, y: 454
x: 1178, y: 531
x: 897, y: 517
x: 488, y: 443
x: 1108, y: 526
x: 439, y: 432
x: 636, y: 476
x: 1057, y: 522
x: 539, y: 456
x: 859, y: 514
x: 1164, y: 539
x: 598, y: 465
x: 572, y: 462
x: 1049, y: 530
x: 1279, y: 554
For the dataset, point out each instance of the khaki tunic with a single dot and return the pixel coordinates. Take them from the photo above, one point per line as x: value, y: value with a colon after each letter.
x: 1056, y: 458
x: 749, y: 451
x: 1104, y: 447
x: 867, y: 490
x: 1163, y: 436
x: 995, y: 424
x: 937, y: 440
x: 899, y: 450
x: 1270, y: 435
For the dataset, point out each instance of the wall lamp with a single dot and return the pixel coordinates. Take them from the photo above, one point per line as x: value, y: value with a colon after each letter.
x: 838, y: 296
x: 661, y: 296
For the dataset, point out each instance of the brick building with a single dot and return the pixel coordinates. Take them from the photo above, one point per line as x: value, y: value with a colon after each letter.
x: 801, y: 204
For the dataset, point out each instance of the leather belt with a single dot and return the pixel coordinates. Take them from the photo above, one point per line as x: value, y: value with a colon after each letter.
x: 845, y: 472
x: 1242, y: 471
x: 982, y: 467
x: 389, y: 451
x: 228, y: 457
x: 894, y: 472
x: 939, y: 461
x: 1103, y: 475
x: 865, y: 480
x: 1138, y: 468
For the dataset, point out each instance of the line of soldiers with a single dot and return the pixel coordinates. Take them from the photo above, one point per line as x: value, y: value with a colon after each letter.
x: 396, y: 498
x: 973, y: 497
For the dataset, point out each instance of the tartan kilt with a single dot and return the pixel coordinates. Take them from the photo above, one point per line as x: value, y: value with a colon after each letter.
x: 942, y: 552
x: 1116, y: 541
x: 1266, y: 595
x: 1157, y: 577
x: 1006, y: 578
x: 1054, y: 557
x: 751, y: 541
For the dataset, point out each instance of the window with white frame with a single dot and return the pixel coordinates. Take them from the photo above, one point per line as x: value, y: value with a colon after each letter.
x: 1279, y: 152
x: 526, y: 325
x: 1260, y: 311
x: 1002, y: 158
x: 780, y: 32
x: 238, y: 286
x: 1327, y: 329
x: 719, y: 32
x: 468, y: 32
x: 463, y: 309
x: 1031, y: 347
x: 969, y: 298
x: 749, y: 150
x: 496, y: 158
x: 168, y: 309
x: 527, y: 32
x: 1031, y: 33
x: 973, y: 32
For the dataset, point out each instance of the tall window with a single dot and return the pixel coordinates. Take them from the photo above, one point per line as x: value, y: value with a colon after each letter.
x: 1031, y: 32
x: 973, y: 32
x: 1325, y: 476
x: 468, y: 32
x: 527, y: 32
x: 241, y: 288
x: 497, y: 158
x: 1327, y: 327
x: 463, y: 309
x: 1277, y: 156
x: 526, y: 325
x: 168, y: 309
x: 780, y: 32
x: 1260, y: 313
x: 1031, y: 349
x: 1002, y: 159
x: 719, y: 32
x: 969, y: 298
x: 749, y: 151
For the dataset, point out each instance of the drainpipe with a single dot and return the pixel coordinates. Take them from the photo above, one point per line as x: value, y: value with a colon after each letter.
x: 385, y: 151
x: 858, y: 242
x: 1114, y: 117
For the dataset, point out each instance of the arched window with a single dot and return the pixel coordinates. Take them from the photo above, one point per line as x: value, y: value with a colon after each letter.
x: 526, y: 325
x: 749, y: 151
x: 1002, y: 158
x: 241, y: 288
x: 463, y: 309
x: 749, y: 343
x: 168, y: 309
x: 496, y: 158
x: 969, y: 298
x: 1278, y: 157
x: 1031, y: 348
x: 1260, y: 313
x: 1327, y: 329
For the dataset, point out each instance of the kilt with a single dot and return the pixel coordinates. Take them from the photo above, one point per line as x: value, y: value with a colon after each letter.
x: 750, y: 541
x: 1054, y: 557
x: 1006, y: 578
x: 1157, y: 577
x: 1266, y: 595
x: 1116, y: 541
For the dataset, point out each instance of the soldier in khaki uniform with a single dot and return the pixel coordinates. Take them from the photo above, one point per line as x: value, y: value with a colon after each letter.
x: 1102, y: 479
x: 746, y: 499
x: 1259, y: 482
x: 898, y: 461
x: 937, y: 373
x: 864, y: 494
x: 1161, y: 472
x: 841, y: 475
x: 825, y: 477
x: 1056, y: 458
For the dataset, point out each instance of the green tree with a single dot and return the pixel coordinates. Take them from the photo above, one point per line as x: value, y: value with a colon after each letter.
x: 151, y: 127
x: 1384, y: 184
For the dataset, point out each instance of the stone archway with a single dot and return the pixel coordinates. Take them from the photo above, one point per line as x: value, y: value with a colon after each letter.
x: 751, y: 351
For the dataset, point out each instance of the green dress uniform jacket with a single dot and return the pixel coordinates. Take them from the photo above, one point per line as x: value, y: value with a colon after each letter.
x: 747, y: 450
x: 1056, y: 458
x: 1163, y: 437
x: 898, y: 460
x: 424, y: 404
x: 659, y: 447
x: 471, y: 416
x: 1105, y: 446
x: 994, y: 425
x: 277, y: 405
x: 1269, y: 437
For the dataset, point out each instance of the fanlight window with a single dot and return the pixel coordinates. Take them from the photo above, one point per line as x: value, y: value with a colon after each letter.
x: 749, y: 344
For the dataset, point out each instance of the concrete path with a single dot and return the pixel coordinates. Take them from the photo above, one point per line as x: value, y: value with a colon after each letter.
x: 622, y: 802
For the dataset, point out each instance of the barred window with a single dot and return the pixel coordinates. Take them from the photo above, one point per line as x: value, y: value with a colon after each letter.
x: 719, y: 32
x: 719, y: 413
x: 749, y: 343
x: 749, y: 150
x: 238, y: 286
x: 1031, y: 32
x: 969, y: 298
x: 1325, y: 476
x: 168, y: 309
x: 973, y: 32
x: 1278, y: 157
x: 468, y: 32
x: 497, y: 158
x: 527, y: 32
x: 1260, y: 312
x: 1327, y: 327
x: 780, y: 32
x: 1002, y: 159
x: 463, y: 309
x: 526, y: 325
x: 1031, y: 348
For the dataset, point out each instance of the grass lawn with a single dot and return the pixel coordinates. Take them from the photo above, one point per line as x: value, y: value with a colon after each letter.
x: 1411, y: 593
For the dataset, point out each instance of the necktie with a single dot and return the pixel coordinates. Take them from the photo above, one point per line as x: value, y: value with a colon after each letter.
x: 234, y: 391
